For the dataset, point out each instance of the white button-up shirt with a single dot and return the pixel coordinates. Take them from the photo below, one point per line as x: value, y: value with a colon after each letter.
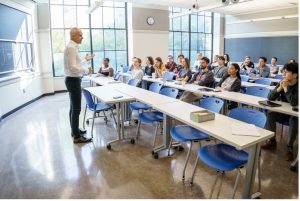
x: 72, y: 63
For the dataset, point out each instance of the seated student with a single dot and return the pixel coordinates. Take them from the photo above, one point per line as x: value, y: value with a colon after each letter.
x: 105, y: 69
x: 262, y: 69
x: 149, y: 69
x: 232, y: 80
x: 170, y: 65
x: 185, y: 73
x: 196, y: 65
x: 247, y: 67
x: 180, y: 59
x: 287, y: 91
x: 220, y: 70
x: 203, y: 78
x: 227, y: 60
x: 274, y: 68
x: 159, y: 67
x: 213, y: 63
x: 131, y: 66
x: 137, y: 72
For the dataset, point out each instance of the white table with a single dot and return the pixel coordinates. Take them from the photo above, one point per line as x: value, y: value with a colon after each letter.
x: 250, y: 100
x: 219, y: 128
x: 250, y: 84
x: 255, y: 78
x: 103, y: 80
x: 107, y: 94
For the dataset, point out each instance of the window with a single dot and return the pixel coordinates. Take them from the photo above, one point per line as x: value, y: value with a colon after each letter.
x: 16, y: 41
x: 190, y: 34
x: 104, y: 32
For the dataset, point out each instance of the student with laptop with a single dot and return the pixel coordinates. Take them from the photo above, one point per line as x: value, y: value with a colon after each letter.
x: 287, y: 91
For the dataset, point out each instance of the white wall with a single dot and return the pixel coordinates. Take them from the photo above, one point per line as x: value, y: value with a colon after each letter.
x: 240, y: 26
x: 17, y: 91
x: 147, y: 40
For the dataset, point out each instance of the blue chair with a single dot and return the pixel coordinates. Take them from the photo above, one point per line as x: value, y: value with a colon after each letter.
x: 279, y: 77
x: 185, y: 133
x: 154, y: 87
x: 96, y: 108
x: 168, y: 76
x: 155, y: 116
x: 258, y: 91
x: 223, y: 157
x: 125, y: 69
x: 245, y: 78
x: 133, y: 82
x: 263, y: 81
x: 117, y: 75
x: 171, y: 92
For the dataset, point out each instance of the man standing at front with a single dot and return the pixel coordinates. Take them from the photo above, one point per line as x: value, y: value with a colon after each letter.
x: 73, y: 72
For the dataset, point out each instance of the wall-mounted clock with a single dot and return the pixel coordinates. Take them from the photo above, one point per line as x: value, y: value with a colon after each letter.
x: 150, y: 20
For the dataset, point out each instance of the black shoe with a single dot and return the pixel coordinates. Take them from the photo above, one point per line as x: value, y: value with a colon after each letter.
x: 82, y: 131
x: 82, y: 139
x: 81, y: 134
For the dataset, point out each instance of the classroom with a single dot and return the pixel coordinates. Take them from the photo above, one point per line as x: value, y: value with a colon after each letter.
x: 140, y: 99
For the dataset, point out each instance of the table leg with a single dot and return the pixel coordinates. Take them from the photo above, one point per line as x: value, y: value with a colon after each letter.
x: 166, y: 134
x: 250, y: 171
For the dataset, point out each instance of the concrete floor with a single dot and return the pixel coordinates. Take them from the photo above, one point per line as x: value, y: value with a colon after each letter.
x: 39, y: 160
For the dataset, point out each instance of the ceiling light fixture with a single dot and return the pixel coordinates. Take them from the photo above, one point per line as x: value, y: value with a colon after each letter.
x: 94, y: 6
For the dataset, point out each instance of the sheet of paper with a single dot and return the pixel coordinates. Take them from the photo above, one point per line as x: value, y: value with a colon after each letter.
x: 244, y: 129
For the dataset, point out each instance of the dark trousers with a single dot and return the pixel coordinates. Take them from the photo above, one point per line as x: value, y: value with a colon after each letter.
x: 73, y: 85
x: 274, y: 117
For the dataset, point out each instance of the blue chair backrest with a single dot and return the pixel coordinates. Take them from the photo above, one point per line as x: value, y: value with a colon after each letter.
x: 250, y: 116
x: 155, y: 87
x: 88, y: 99
x: 168, y: 76
x: 279, y: 77
x: 258, y: 91
x: 263, y: 81
x: 125, y: 69
x: 167, y: 91
x: 244, y: 78
x: 133, y: 82
x: 117, y: 75
x: 212, y: 104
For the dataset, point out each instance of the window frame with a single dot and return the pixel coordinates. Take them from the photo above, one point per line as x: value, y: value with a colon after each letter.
x: 90, y: 30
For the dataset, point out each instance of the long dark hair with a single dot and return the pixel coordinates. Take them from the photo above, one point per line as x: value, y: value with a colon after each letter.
x: 160, y: 60
x: 187, y: 62
x: 237, y: 67
x: 150, y: 60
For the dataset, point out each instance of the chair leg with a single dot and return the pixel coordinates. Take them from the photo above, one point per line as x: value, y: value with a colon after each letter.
x: 194, y: 170
x: 93, y: 122
x: 222, y: 177
x: 214, y: 185
x: 83, y: 124
x: 138, y: 130
x: 171, y: 141
x: 154, y: 140
x: 105, y: 117
x: 236, y: 183
x: 186, y: 161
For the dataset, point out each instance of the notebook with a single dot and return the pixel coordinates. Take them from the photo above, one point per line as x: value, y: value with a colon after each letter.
x: 244, y: 129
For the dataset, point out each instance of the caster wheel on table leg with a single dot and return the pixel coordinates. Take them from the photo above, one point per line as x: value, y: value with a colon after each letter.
x: 132, y: 141
x: 155, y: 155
x: 108, y: 147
